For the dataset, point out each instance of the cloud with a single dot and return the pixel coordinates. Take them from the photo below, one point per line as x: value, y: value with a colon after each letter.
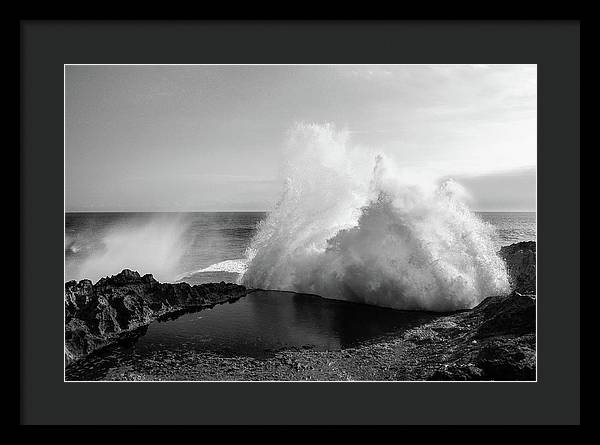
x: 508, y: 190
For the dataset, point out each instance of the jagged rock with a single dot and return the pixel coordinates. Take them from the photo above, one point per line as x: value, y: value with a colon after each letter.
x: 118, y: 307
x: 514, y: 314
x: 508, y: 358
x: 460, y: 372
x: 498, y: 345
x: 520, y: 262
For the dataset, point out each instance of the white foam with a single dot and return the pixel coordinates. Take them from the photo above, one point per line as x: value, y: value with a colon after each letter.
x: 231, y: 266
x: 350, y: 225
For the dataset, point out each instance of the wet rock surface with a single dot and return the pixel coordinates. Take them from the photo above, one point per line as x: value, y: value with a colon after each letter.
x: 520, y: 262
x: 115, y: 308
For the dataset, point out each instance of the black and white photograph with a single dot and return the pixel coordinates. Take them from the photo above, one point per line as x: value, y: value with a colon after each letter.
x: 300, y: 223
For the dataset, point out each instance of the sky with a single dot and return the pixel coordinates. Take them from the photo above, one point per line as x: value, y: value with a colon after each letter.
x: 209, y: 138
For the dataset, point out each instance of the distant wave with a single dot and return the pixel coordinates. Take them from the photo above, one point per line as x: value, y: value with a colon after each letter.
x: 153, y: 245
x: 352, y: 226
x: 231, y: 266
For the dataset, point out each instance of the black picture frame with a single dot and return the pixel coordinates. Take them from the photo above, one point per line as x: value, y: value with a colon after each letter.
x: 45, y: 46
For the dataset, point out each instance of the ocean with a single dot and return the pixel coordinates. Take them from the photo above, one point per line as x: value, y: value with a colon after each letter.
x: 197, y: 247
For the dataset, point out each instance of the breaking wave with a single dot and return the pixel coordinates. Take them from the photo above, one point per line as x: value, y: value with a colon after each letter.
x: 231, y: 266
x: 352, y: 226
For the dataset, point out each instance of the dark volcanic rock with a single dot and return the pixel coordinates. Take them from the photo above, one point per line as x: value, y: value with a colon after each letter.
x: 520, y: 262
x: 499, y: 343
x: 116, y: 307
x: 514, y: 315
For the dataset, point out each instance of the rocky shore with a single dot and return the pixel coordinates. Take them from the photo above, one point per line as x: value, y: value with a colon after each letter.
x: 493, y: 341
x: 117, y: 307
x: 520, y: 262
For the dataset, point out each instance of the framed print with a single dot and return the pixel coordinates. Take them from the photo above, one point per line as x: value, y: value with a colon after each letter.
x: 321, y: 223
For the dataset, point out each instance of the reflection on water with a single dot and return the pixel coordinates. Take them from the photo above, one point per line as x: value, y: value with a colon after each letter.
x: 257, y: 326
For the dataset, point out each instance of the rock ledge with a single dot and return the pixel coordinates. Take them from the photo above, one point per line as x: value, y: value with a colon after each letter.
x: 520, y: 262
x: 113, y: 309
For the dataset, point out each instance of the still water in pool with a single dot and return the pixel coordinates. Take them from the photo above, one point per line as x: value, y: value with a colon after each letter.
x: 257, y: 325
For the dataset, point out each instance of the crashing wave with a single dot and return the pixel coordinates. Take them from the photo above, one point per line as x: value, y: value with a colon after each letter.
x: 352, y: 226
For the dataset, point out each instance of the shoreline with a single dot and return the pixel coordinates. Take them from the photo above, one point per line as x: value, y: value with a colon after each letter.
x: 465, y: 346
x: 102, y: 314
x: 493, y: 341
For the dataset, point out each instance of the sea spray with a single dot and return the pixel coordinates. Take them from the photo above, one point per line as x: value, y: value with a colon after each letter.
x: 352, y: 226
x: 147, y: 245
x: 236, y: 266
